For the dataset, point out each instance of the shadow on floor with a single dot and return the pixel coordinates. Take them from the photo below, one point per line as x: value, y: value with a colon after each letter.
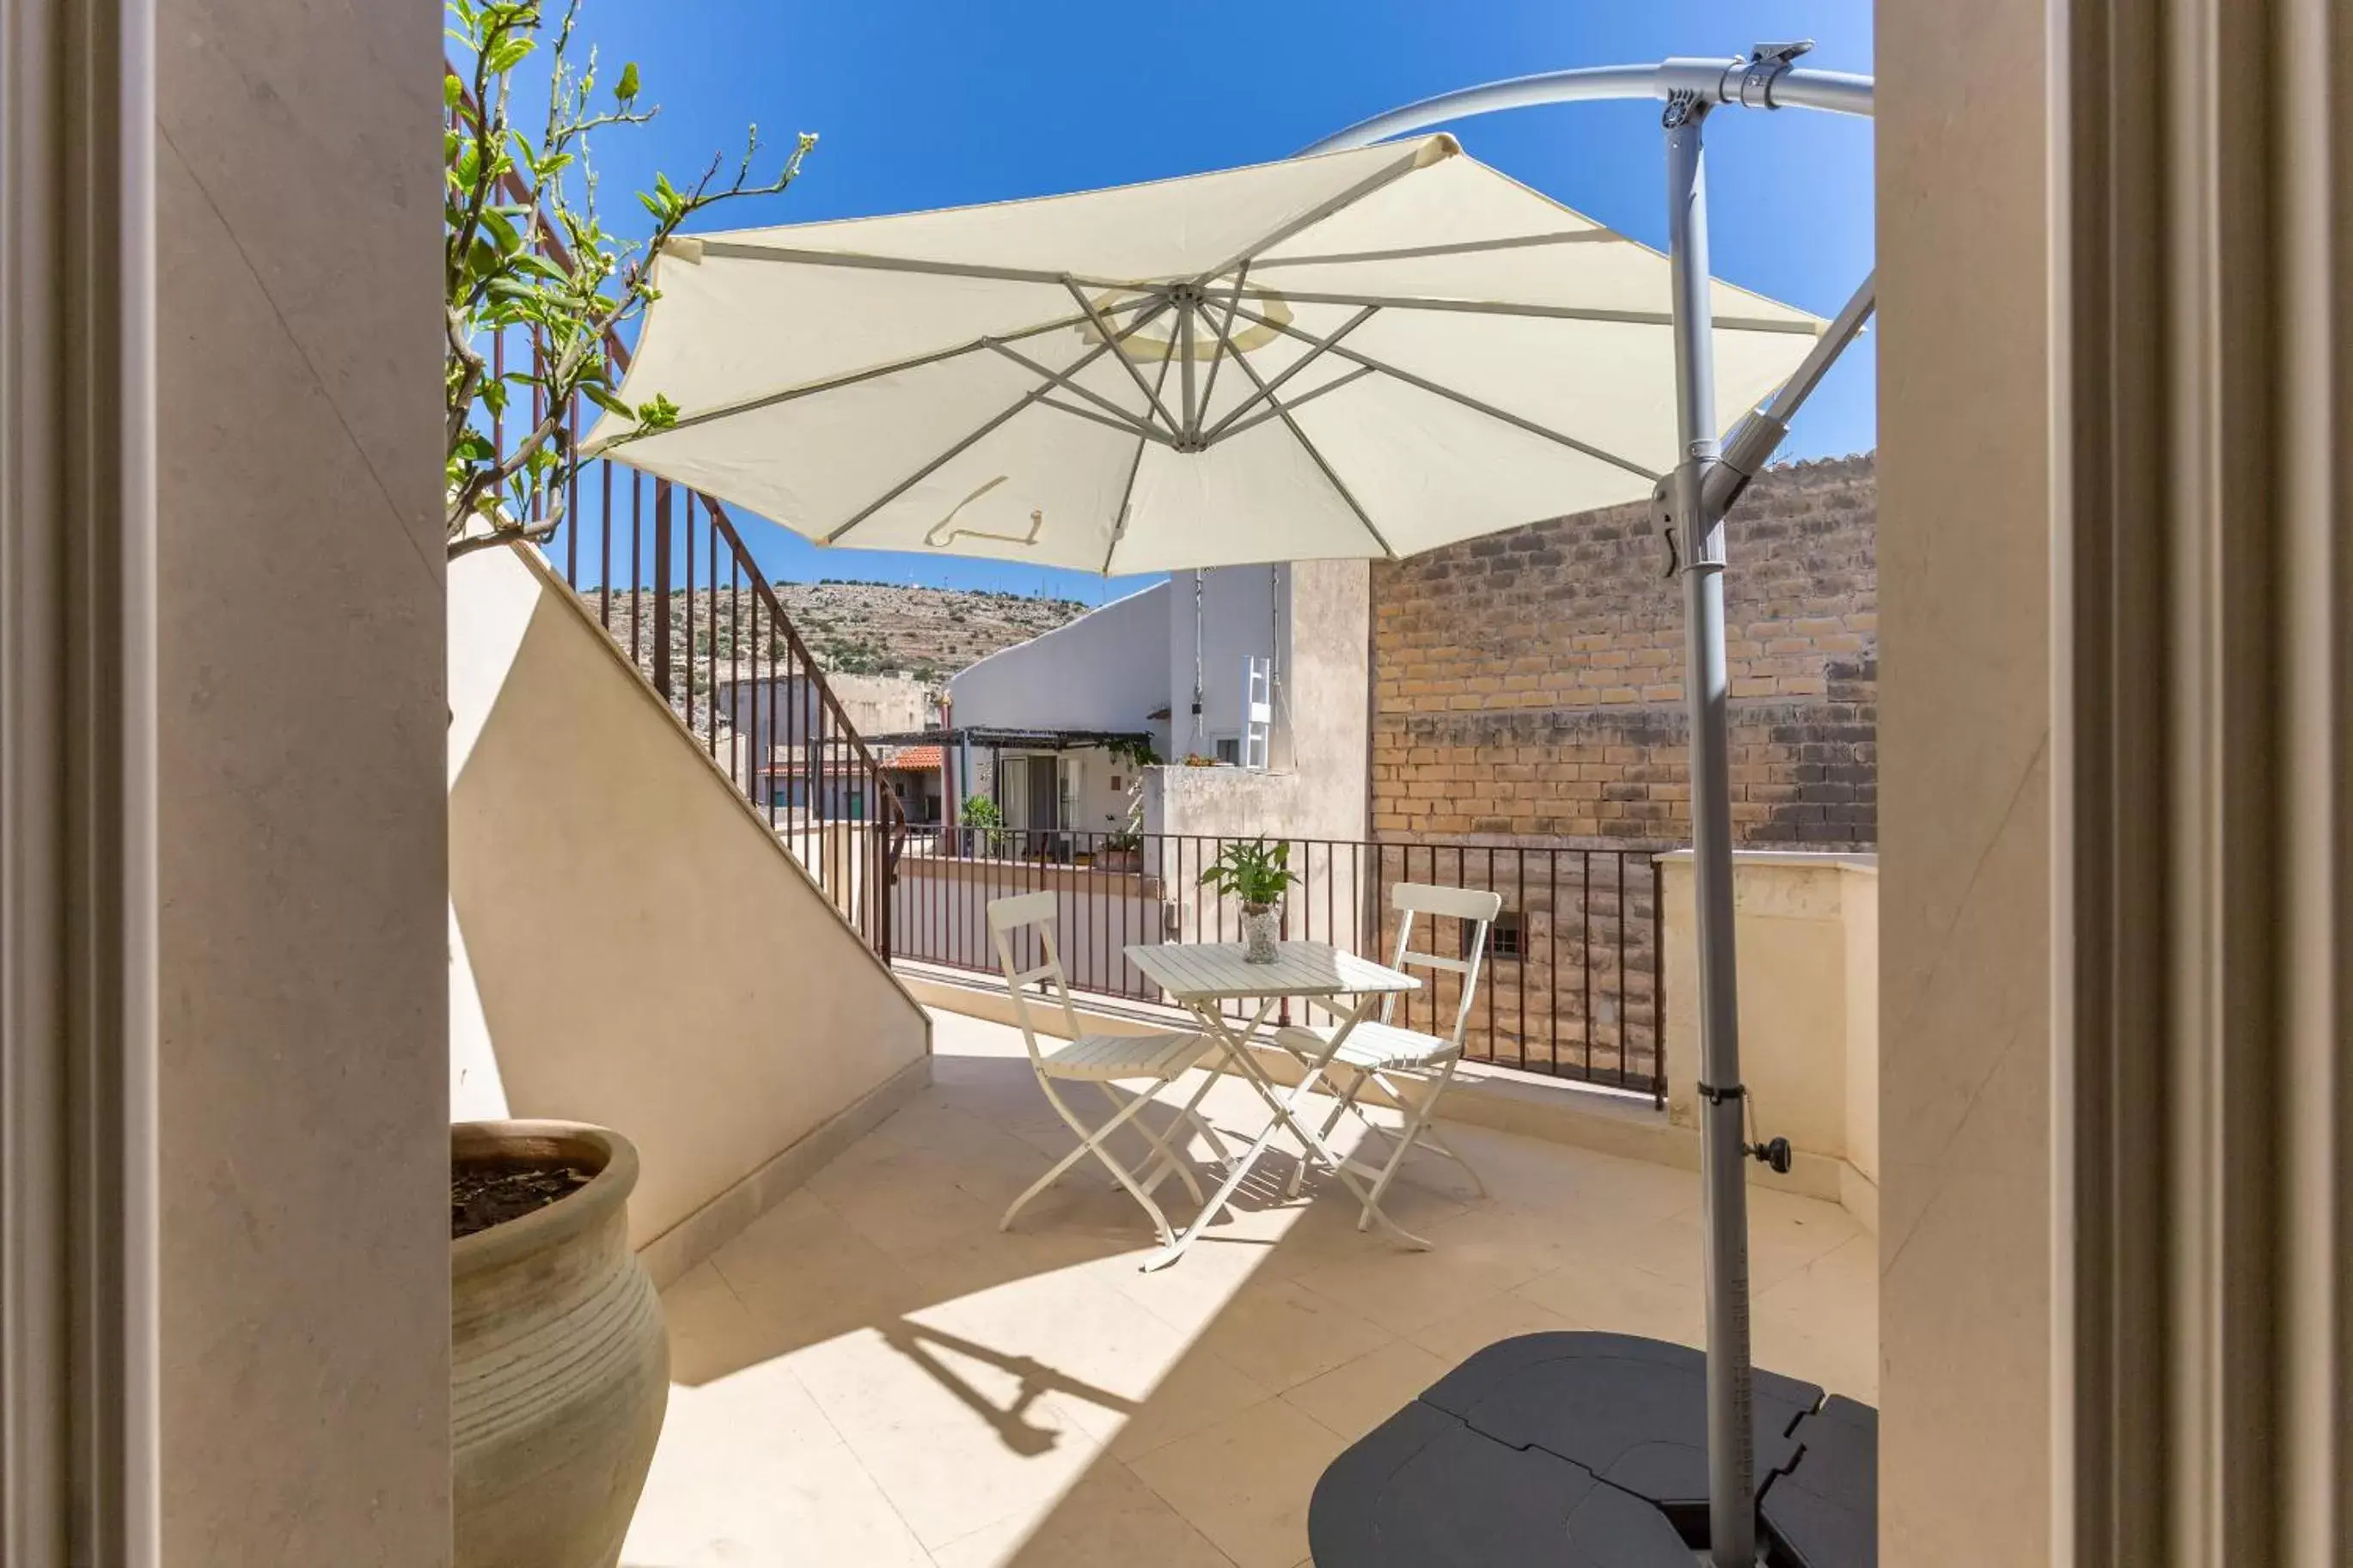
x: 873, y: 1373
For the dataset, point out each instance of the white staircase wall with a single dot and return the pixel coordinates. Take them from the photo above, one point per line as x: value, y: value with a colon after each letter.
x: 638, y: 950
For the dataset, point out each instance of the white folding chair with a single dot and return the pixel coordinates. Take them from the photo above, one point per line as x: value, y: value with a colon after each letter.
x: 1101, y: 1060
x: 1385, y: 1055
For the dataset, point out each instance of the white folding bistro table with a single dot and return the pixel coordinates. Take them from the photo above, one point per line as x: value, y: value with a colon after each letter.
x: 1202, y: 977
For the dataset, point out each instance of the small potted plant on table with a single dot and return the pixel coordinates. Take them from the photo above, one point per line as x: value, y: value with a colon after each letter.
x: 1257, y: 874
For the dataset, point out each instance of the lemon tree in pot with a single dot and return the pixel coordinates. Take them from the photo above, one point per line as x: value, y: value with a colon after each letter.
x: 560, y: 1368
x: 1257, y: 875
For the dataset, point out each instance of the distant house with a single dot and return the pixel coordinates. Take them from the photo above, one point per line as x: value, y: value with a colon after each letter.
x: 915, y: 774
x: 793, y: 738
x: 1255, y: 674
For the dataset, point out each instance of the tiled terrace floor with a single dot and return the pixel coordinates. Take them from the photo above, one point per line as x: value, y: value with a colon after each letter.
x: 873, y: 1375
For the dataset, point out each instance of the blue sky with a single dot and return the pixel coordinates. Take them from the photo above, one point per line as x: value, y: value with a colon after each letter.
x: 924, y: 103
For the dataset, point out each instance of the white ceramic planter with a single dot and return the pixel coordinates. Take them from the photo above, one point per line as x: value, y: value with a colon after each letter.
x: 1261, y: 924
x: 560, y: 1368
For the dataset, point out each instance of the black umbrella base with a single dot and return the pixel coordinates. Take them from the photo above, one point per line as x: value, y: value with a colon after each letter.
x: 1585, y: 1450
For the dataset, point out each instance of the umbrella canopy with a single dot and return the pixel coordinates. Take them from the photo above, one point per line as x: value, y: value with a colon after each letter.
x: 1363, y: 353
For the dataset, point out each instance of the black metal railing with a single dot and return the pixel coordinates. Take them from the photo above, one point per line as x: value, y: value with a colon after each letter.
x: 1574, y: 985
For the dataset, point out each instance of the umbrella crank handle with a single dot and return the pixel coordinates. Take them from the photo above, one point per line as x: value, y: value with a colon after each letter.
x: 1662, y: 518
x: 1773, y: 1153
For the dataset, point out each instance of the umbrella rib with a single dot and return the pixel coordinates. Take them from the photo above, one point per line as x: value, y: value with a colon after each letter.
x: 736, y: 250
x: 1224, y: 338
x: 1593, y: 236
x: 1315, y: 456
x: 1385, y: 174
x: 1063, y: 379
x: 1125, y: 426
x: 1112, y: 341
x: 1335, y: 385
x: 1033, y: 395
x: 1808, y: 328
x: 1266, y: 389
x: 1489, y: 409
x: 1127, y: 496
x: 833, y: 383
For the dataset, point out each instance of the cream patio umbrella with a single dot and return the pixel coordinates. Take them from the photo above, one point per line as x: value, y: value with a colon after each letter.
x: 1367, y: 353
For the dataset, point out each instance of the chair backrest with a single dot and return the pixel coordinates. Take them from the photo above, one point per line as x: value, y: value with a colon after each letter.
x: 1476, y: 906
x: 1038, y: 912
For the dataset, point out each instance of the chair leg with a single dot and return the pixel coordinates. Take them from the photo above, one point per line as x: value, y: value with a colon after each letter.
x: 1092, y: 1142
x: 1342, y: 1100
x: 1192, y: 1113
x: 1167, y: 1159
x: 1415, y: 1121
x: 1430, y: 1139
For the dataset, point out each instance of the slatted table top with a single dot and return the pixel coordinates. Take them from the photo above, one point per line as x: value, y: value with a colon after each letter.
x: 1216, y: 970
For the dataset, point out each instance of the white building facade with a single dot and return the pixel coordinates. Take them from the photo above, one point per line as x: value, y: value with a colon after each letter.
x: 1249, y: 682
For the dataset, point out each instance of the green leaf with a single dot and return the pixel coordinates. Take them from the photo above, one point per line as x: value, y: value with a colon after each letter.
x: 452, y: 91
x: 656, y: 413
x: 607, y: 401
x: 510, y: 52
x: 502, y: 230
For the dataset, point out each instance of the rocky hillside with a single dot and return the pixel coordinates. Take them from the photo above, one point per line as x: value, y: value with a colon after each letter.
x: 860, y: 628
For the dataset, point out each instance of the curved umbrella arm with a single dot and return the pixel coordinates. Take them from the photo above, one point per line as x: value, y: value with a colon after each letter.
x: 1763, y: 81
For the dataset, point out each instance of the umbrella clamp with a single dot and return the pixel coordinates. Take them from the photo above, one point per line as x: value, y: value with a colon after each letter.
x: 1766, y: 62
x: 1775, y: 1153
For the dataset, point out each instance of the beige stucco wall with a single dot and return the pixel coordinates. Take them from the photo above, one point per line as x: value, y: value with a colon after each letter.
x: 302, y: 1136
x: 1964, y: 719
x: 1803, y: 926
x: 644, y: 953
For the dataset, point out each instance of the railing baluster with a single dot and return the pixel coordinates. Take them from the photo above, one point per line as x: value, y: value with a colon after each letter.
x: 662, y: 674
x: 1584, y: 952
x: 572, y: 496
x: 1552, y: 948
x: 712, y: 631
x: 637, y: 568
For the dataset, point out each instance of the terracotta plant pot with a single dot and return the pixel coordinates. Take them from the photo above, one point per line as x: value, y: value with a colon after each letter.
x: 560, y: 1368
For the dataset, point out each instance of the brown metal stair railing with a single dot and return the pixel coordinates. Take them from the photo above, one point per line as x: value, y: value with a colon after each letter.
x: 789, y: 743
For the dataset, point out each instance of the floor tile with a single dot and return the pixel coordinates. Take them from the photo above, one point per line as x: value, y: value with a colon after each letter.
x: 804, y: 1275
x: 719, y: 1498
x: 1199, y: 1391
x: 1403, y: 1291
x: 1454, y: 1339
x: 957, y: 1435
x: 1245, y: 1482
x: 1109, y: 1518
x: 1622, y: 1300
x: 1281, y: 1334
x: 1356, y: 1396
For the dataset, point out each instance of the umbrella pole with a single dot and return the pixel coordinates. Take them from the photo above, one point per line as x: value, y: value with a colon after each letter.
x: 1732, y: 1488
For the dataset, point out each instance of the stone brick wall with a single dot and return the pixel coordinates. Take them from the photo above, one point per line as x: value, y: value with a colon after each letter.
x: 1529, y: 684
